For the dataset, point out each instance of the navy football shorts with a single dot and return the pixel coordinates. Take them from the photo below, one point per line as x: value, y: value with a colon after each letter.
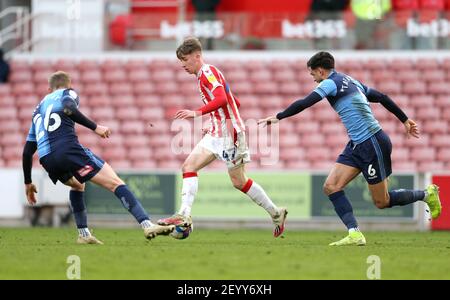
x: 74, y: 160
x: 372, y: 157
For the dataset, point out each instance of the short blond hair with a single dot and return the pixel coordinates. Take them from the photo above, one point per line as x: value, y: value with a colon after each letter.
x: 59, y: 80
x: 189, y: 45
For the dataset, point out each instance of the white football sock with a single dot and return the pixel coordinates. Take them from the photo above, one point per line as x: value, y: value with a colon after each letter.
x: 259, y: 196
x: 188, y: 192
x: 84, y: 232
x: 146, y: 224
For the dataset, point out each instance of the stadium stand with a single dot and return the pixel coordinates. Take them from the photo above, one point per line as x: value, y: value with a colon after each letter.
x: 127, y: 95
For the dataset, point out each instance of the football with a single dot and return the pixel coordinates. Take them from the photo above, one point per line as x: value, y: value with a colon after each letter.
x: 181, y: 232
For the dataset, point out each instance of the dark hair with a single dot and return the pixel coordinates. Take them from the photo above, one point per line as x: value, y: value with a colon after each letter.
x: 321, y: 60
x: 190, y: 45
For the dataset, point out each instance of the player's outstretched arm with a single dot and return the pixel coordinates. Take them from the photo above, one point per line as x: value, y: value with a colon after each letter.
x: 27, y: 164
x: 299, y: 105
x: 377, y: 97
x: 411, y: 128
x: 71, y: 110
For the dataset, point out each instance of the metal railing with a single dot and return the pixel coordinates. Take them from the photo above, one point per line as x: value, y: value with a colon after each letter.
x: 18, y: 30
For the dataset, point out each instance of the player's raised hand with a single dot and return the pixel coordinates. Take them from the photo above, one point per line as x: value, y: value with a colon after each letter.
x: 30, y: 191
x: 268, y: 121
x: 185, y: 114
x: 103, y: 131
x: 411, y: 129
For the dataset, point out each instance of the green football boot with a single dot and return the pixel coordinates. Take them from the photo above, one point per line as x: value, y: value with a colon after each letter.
x: 433, y: 201
x: 355, y: 238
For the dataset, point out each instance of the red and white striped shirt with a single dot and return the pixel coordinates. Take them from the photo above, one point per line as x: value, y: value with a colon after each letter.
x: 226, y: 120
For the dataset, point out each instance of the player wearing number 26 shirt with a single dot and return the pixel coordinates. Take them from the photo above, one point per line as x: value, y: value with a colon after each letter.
x: 52, y: 134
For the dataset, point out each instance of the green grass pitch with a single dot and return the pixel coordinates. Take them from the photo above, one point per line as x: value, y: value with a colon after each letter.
x: 42, y: 253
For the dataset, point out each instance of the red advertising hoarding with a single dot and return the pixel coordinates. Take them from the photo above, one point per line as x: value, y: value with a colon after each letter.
x: 443, y: 222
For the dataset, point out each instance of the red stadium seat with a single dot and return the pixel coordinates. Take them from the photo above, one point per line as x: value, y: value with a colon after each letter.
x: 400, y: 154
x: 115, y: 76
x: 443, y: 155
x: 144, y: 164
x: 423, y: 154
x: 127, y: 113
x: 401, y: 64
x: 438, y: 88
x: 95, y: 89
x: 292, y: 153
x: 435, y: 126
x: 139, y: 154
x: 375, y: 64
x: 89, y: 139
x: 408, y: 75
x: 114, y: 141
x: 120, y: 164
x: 133, y: 127
x: 242, y: 87
x: 414, y: 87
x: 103, y: 113
x: 439, y: 140
x: 23, y: 88
x: 114, y: 153
x: 322, y: 165
x: 139, y: 75
x: 422, y: 142
x: 443, y: 101
x: 298, y: 165
x: 21, y: 76
x: 8, y: 113
x: 289, y: 140
x: 97, y: 101
x: 140, y: 141
x: 318, y: 154
x: 431, y: 166
x: 91, y: 76
x: 120, y: 88
x: 290, y: 87
x: 136, y: 64
x: 336, y: 140
x: 404, y: 166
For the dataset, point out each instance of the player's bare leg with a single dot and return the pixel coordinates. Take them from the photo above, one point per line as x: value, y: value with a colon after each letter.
x: 383, y: 198
x: 78, y: 206
x: 197, y: 160
x: 340, y: 175
x: 108, y: 179
x: 258, y: 195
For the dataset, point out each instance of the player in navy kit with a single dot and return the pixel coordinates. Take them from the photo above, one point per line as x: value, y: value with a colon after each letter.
x: 52, y: 134
x: 369, y: 148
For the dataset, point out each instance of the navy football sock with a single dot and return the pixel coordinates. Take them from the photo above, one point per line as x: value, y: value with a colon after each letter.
x: 78, y: 208
x: 130, y: 202
x: 404, y: 197
x: 343, y: 209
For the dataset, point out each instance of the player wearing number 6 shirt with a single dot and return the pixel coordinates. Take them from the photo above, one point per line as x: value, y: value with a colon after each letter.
x: 52, y: 133
x: 369, y: 148
x: 225, y: 139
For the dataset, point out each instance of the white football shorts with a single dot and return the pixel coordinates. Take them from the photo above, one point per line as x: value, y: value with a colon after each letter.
x: 233, y: 154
